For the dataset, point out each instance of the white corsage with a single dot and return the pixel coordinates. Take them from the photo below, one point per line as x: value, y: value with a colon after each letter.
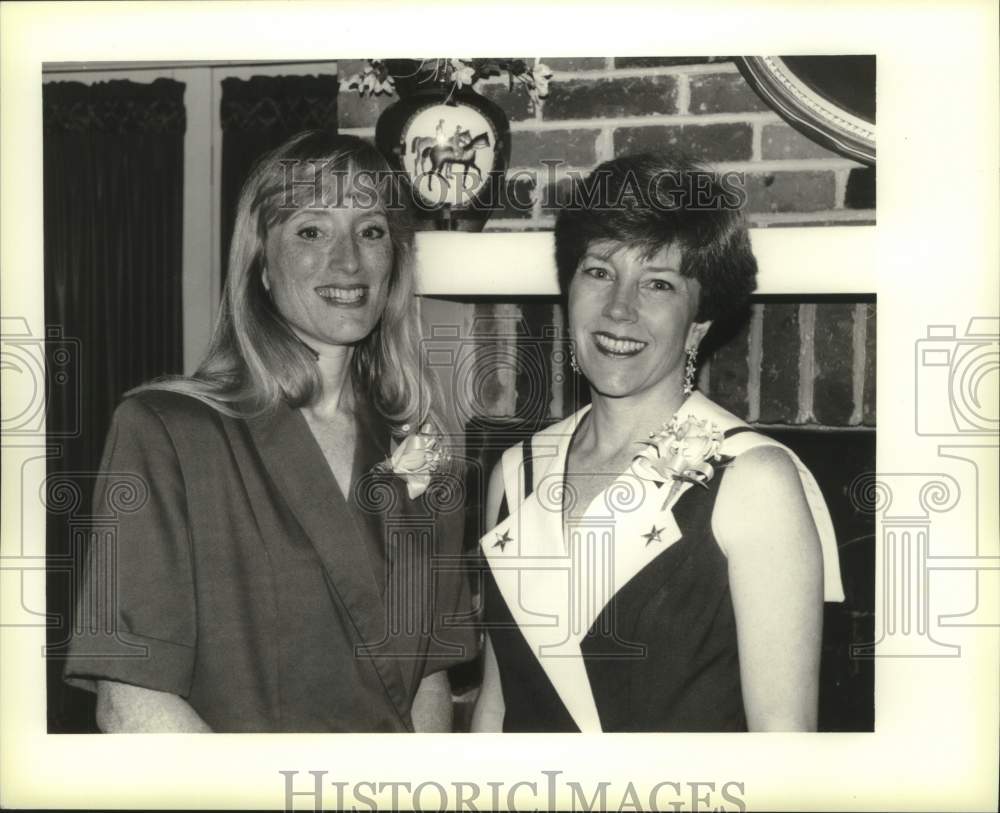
x: 416, y: 459
x: 681, y: 452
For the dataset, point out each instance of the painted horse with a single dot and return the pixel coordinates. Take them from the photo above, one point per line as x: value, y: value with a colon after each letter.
x: 446, y: 156
x: 420, y: 146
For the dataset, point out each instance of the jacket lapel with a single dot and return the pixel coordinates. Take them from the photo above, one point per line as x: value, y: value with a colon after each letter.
x: 539, y: 579
x: 556, y: 584
x: 534, y: 576
x: 301, y: 475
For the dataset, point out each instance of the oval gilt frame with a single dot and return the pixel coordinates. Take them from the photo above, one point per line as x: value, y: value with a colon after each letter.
x: 806, y: 108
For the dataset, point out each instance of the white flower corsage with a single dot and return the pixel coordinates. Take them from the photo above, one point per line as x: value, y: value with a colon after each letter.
x: 681, y: 452
x: 416, y: 458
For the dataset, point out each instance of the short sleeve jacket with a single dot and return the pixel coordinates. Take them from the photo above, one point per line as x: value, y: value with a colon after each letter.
x: 240, y: 578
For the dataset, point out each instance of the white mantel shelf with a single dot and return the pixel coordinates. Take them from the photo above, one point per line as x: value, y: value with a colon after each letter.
x: 799, y: 260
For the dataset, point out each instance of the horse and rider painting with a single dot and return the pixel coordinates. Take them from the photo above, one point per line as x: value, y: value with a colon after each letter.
x: 438, y: 154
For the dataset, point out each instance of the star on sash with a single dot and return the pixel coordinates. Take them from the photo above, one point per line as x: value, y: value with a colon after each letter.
x: 503, y: 540
x: 653, y: 535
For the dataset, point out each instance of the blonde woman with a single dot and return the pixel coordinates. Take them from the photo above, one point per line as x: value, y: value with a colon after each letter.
x: 251, y: 587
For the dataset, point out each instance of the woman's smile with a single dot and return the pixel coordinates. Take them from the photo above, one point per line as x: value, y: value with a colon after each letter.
x: 343, y: 296
x: 617, y: 347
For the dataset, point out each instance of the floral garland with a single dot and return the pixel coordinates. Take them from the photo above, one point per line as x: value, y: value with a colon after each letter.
x: 375, y: 78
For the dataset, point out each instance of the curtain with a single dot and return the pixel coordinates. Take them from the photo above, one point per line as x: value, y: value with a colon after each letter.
x: 113, y: 186
x: 258, y: 114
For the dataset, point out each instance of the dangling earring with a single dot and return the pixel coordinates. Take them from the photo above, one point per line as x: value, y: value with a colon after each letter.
x: 263, y: 280
x: 692, y: 353
x: 574, y: 365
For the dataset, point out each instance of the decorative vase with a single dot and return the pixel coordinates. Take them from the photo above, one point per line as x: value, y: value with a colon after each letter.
x: 453, y: 144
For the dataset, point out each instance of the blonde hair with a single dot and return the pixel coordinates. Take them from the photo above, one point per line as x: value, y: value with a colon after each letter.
x: 254, y: 360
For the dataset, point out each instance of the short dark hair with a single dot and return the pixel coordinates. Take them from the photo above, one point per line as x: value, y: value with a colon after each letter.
x: 657, y: 199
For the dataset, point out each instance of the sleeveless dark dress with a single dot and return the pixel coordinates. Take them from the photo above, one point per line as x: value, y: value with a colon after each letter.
x: 662, y: 655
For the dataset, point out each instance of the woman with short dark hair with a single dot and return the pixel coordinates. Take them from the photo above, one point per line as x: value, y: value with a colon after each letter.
x: 656, y: 565
x: 261, y: 582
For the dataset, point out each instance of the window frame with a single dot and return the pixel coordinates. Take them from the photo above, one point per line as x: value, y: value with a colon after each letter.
x: 201, y: 264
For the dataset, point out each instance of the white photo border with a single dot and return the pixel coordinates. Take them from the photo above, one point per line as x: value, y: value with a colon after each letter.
x: 935, y: 744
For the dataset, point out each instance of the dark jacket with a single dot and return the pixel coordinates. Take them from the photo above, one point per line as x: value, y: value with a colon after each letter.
x: 237, y: 576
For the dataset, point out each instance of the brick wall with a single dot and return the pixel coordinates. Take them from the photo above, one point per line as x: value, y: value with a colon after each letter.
x: 790, y: 363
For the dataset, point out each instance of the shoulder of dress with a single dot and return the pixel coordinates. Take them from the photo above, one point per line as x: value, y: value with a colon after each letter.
x: 540, y: 446
x: 747, y: 438
x: 558, y: 429
x: 512, y: 455
x: 737, y: 443
x: 739, y: 437
x: 540, y: 439
x: 175, y: 411
x: 772, y: 463
x: 546, y: 443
